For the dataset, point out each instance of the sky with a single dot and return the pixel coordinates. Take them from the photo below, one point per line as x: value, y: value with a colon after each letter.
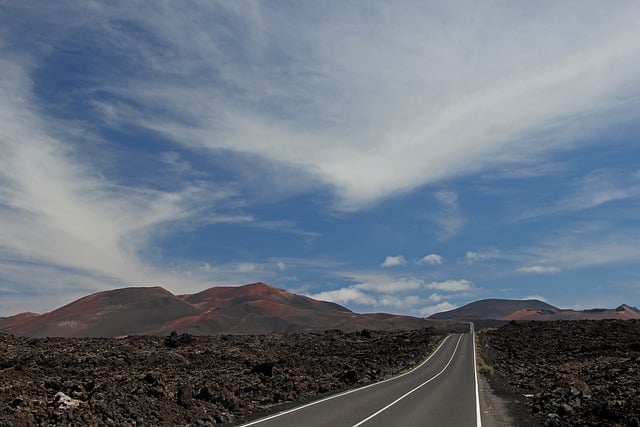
x: 403, y: 157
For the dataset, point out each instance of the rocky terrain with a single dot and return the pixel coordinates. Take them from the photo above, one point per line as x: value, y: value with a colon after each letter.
x: 182, y: 379
x: 568, y: 373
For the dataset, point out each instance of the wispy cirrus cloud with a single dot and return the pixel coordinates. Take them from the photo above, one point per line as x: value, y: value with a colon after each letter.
x: 538, y: 269
x: 337, y: 109
x: 451, y: 286
x: 591, y: 191
x: 58, y: 215
x: 472, y: 257
x: 354, y: 103
x: 575, y: 253
x: 448, y: 218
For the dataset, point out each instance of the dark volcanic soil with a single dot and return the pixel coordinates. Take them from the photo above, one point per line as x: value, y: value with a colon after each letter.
x: 185, y: 380
x: 574, y: 373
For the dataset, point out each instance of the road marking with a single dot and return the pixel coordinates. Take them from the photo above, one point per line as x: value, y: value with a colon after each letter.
x: 475, y: 371
x: 418, y: 387
x: 335, y: 396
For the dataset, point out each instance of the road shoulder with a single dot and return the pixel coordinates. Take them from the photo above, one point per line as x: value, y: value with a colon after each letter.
x: 493, y: 409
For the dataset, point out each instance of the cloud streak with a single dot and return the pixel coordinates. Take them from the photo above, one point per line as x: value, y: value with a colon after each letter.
x: 355, y: 103
x: 374, y: 122
x: 539, y: 269
x: 57, y: 215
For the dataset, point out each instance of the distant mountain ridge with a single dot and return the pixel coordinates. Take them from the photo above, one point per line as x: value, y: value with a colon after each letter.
x: 504, y: 309
x: 251, y: 309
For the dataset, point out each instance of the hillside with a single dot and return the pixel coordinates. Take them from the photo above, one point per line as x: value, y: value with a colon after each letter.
x: 504, y: 309
x: 251, y: 309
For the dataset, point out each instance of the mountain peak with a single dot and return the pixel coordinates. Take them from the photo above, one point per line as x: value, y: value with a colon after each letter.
x: 250, y: 309
x: 500, y: 309
x: 625, y: 307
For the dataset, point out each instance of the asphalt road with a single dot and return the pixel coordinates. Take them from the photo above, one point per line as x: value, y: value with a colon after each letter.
x: 442, y: 391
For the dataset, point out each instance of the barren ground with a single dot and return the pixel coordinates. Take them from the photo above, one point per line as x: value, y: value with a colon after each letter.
x: 186, y: 380
x: 567, y: 373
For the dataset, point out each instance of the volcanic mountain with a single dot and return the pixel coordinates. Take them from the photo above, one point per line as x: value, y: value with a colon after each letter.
x: 251, y: 309
x: 504, y: 309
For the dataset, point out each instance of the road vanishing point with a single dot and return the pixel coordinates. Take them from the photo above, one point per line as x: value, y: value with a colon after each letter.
x: 441, y: 391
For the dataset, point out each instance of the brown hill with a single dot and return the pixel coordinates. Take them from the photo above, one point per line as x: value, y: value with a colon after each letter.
x: 128, y: 311
x: 251, y: 309
x: 7, y: 324
x: 502, y: 309
x: 623, y: 312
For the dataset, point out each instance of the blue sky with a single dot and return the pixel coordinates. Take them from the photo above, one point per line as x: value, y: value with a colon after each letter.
x: 406, y: 157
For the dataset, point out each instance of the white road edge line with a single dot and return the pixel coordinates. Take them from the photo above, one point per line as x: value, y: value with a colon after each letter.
x: 409, y: 392
x: 475, y: 370
x: 335, y: 396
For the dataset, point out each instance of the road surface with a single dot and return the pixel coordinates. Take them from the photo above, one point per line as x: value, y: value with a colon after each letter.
x: 442, y: 391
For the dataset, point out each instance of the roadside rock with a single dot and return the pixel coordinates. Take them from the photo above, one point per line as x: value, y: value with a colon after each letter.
x: 64, y: 402
x: 577, y: 372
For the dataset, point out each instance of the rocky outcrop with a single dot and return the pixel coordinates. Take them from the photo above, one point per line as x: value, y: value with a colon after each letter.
x: 569, y: 373
x: 188, y: 380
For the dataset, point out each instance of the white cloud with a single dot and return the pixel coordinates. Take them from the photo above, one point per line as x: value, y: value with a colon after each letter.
x: 373, y: 298
x: 374, y: 113
x: 246, y: 267
x: 56, y: 212
x: 590, y: 247
x: 369, y: 114
x: 598, y: 188
x: 432, y: 259
x: 448, y: 218
x: 539, y: 269
x: 451, y: 286
x: 387, y: 284
x: 448, y: 199
x: 345, y: 296
x: 536, y: 297
x: 393, y: 261
x: 432, y: 309
x: 176, y: 163
x: 473, y: 256
x: 399, y: 303
x: 436, y: 297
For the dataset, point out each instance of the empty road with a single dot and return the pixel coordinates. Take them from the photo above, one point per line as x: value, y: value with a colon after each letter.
x: 442, y: 391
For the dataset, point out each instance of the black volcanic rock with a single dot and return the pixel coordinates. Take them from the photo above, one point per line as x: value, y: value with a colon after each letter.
x: 575, y: 373
x: 214, y: 380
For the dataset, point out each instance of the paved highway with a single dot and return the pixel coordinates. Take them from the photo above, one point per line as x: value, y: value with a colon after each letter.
x: 442, y: 391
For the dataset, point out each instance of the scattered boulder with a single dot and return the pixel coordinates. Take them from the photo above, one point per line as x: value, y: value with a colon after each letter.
x: 265, y: 369
x: 185, y: 395
x: 64, y: 402
x: 174, y: 340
